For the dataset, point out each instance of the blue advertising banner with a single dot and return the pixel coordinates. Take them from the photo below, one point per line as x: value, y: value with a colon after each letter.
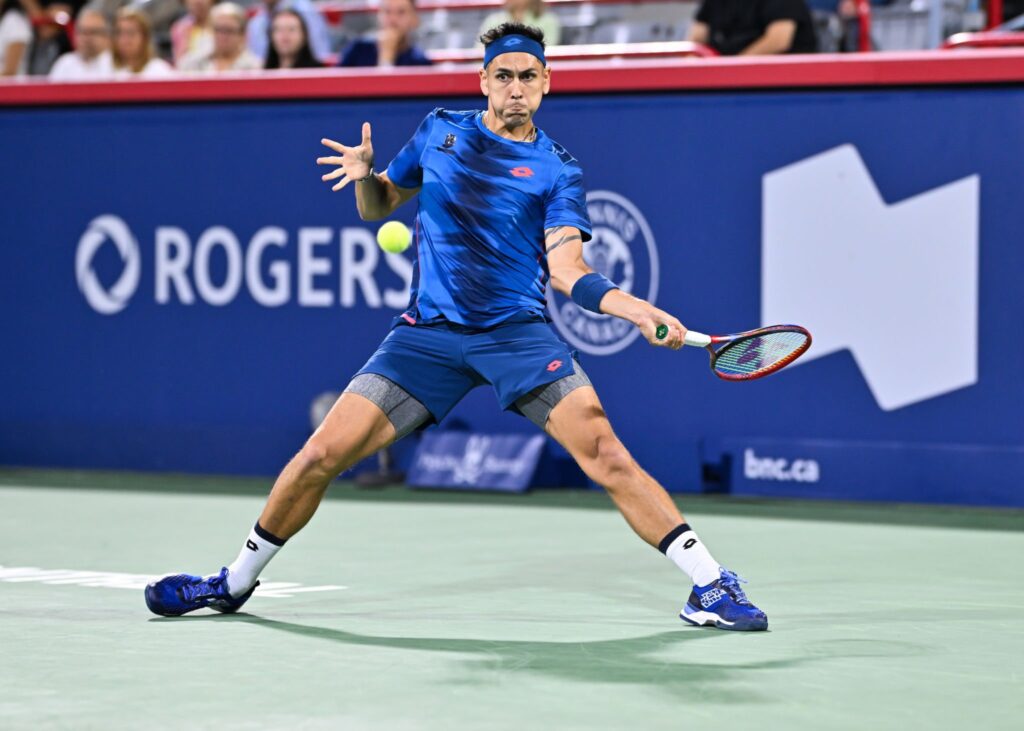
x: 471, y: 461
x: 178, y: 285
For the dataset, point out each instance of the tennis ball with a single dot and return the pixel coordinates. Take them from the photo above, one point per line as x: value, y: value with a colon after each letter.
x: 394, y: 237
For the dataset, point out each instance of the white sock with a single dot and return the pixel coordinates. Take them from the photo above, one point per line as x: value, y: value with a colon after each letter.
x: 256, y: 553
x: 691, y: 555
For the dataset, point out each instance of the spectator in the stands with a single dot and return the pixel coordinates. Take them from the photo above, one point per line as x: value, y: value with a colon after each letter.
x: 192, y: 33
x: 91, y: 60
x: 134, y: 56
x: 259, y: 27
x: 229, y: 52
x: 754, y: 27
x: 15, y: 35
x: 527, y: 12
x: 394, y: 43
x: 289, y: 43
x: 50, y: 39
x: 161, y: 13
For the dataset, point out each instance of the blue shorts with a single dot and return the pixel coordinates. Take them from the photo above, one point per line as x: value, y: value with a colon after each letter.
x: 438, y: 364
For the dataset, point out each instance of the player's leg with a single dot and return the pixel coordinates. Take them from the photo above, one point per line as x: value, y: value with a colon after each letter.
x: 570, y: 411
x: 355, y: 427
x: 372, y: 413
x: 579, y: 424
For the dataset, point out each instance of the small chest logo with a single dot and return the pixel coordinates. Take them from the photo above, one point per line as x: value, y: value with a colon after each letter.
x: 449, y: 141
x: 522, y: 172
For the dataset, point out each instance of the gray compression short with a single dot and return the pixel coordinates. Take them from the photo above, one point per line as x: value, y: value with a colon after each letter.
x: 407, y: 414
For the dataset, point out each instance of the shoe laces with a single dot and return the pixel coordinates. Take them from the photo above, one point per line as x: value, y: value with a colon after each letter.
x: 731, y: 583
x: 204, y: 589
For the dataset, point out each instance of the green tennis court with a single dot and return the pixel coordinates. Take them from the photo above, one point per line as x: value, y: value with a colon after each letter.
x: 400, y: 610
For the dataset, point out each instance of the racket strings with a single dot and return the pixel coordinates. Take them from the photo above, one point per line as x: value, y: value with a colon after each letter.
x: 750, y: 356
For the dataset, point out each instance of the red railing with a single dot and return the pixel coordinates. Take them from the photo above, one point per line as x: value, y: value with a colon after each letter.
x: 591, y: 52
x: 995, y: 14
x: 811, y: 71
x: 984, y: 40
x: 864, y: 25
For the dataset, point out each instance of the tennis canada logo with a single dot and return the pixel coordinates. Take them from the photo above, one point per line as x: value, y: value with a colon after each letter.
x: 103, y: 299
x: 623, y: 250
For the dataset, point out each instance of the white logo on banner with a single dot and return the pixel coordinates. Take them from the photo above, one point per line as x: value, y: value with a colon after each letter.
x: 102, y: 229
x: 475, y: 461
x: 896, y: 284
x: 623, y: 250
x: 275, y: 267
x: 777, y: 468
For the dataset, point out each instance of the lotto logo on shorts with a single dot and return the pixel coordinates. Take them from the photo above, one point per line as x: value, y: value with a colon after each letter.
x: 554, y: 365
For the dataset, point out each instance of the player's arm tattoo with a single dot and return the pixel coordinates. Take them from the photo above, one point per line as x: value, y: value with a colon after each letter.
x: 562, y: 240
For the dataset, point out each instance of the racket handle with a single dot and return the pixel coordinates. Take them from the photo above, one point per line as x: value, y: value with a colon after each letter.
x: 696, y: 339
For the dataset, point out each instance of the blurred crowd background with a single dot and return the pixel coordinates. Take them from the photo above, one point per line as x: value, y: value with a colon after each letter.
x: 75, y: 40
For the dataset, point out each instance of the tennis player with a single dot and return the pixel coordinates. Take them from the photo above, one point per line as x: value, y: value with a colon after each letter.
x: 502, y: 210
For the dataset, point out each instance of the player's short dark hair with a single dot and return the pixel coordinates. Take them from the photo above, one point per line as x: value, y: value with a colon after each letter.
x: 512, y: 29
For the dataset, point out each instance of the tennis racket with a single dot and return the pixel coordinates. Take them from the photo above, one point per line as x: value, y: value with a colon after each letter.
x: 749, y: 355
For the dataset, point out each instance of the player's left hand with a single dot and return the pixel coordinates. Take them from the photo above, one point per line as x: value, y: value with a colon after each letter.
x: 648, y: 320
x: 354, y: 163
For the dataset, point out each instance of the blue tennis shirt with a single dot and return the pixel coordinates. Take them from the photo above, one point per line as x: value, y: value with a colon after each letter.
x: 484, y: 203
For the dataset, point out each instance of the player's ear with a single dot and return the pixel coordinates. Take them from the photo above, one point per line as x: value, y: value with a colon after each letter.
x: 483, y: 81
x: 547, y: 79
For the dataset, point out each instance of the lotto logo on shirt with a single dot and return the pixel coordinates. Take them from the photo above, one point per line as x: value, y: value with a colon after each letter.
x: 623, y: 250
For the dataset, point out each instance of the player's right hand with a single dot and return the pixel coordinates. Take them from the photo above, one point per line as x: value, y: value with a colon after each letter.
x: 354, y: 163
x: 649, y: 321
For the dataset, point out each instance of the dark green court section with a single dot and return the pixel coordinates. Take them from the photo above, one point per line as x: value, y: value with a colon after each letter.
x: 541, y: 612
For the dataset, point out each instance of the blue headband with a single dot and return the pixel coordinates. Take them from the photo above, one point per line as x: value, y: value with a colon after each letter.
x: 514, y: 44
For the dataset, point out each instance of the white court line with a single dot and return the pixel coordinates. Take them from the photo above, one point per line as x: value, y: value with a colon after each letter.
x: 116, y: 580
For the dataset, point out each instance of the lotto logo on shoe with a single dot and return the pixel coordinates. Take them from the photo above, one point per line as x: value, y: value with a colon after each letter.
x: 782, y: 470
x: 711, y: 596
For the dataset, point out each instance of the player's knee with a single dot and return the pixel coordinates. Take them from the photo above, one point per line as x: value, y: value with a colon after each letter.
x: 612, y: 461
x: 319, y: 458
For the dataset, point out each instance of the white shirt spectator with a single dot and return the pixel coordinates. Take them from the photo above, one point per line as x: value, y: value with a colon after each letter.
x: 156, y: 68
x: 72, y: 67
x: 205, y: 63
x: 15, y: 28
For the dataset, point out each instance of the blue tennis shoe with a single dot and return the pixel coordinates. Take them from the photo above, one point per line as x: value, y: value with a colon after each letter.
x: 179, y: 594
x: 723, y: 604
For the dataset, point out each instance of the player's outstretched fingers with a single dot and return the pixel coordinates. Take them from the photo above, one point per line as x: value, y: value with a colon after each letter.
x: 341, y: 183
x: 366, y: 133
x: 332, y: 175
x: 330, y: 161
x: 336, y: 146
